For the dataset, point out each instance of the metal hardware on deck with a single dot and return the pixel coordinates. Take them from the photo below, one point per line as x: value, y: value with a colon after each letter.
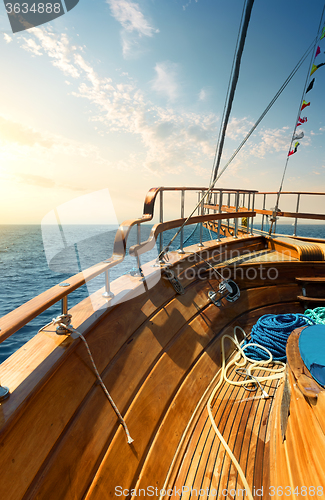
x: 4, y: 392
x: 304, y: 292
x: 227, y: 289
x: 170, y: 275
x: 107, y: 294
x: 62, y: 321
x: 182, y: 216
x: 64, y: 284
x: 296, y: 220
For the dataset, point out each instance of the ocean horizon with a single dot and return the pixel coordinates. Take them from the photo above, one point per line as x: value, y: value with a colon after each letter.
x: 32, y: 262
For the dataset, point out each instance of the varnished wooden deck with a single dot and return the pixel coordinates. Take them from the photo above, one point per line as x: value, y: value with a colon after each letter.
x: 206, y: 467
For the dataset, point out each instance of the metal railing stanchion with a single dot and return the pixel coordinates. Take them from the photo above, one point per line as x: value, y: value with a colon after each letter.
x: 181, y: 250
x: 264, y: 204
x: 219, y: 211
x: 161, y: 219
x: 296, y: 220
x: 107, y: 294
x: 202, y: 213
x: 236, y: 220
x: 252, y: 218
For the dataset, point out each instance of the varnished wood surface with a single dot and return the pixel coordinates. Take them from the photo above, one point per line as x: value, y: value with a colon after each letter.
x: 157, y: 354
x: 297, y: 464
x: 307, y: 384
x: 165, y: 226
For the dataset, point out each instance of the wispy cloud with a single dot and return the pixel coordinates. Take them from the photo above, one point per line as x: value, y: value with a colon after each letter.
x: 172, y: 140
x: 7, y: 38
x: 187, y: 4
x: 203, y: 95
x: 133, y: 22
x: 12, y: 132
x: 165, y: 81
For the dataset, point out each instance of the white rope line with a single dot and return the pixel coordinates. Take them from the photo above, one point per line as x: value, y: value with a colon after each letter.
x: 59, y: 321
x: 277, y: 373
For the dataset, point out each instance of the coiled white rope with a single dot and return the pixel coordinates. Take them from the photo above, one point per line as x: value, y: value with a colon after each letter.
x: 277, y: 373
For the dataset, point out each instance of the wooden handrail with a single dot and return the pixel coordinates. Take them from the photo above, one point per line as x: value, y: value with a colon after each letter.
x: 225, y: 208
x: 294, y: 215
x: 137, y: 250
x: 13, y: 321
x: 150, y: 199
x: 291, y: 192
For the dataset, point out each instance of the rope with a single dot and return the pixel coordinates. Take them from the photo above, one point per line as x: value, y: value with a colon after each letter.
x: 61, y: 321
x: 317, y: 315
x: 293, y: 72
x: 271, y: 331
x: 276, y: 208
x: 227, y: 94
x: 235, y: 76
x: 275, y: 374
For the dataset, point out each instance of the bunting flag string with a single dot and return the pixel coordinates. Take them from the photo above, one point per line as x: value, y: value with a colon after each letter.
x: 305, y: 104
x: 298, y: 136
x: 301, y: 121
x: 310, y: 86
x: 323, y: 33
x: 293, y: 151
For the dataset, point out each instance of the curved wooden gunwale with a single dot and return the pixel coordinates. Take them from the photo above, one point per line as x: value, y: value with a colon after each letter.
x: 300, y: 456
x: 157, y: 354
x: 13, y: 321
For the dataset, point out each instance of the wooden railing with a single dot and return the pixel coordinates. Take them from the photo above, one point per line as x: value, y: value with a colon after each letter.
x: 13, y: 321
x: 296, y: 214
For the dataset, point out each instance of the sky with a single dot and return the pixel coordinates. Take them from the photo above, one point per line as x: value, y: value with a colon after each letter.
x: 125, y: 95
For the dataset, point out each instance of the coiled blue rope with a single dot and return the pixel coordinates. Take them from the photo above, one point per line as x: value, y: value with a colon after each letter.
x: 317, y: 315
x: 272, y: 331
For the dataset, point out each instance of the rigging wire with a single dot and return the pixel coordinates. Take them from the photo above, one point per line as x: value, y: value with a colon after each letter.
x: 227, y: 94
x: 234, y: 82
x: 276, y: 208
x: 279, y: 92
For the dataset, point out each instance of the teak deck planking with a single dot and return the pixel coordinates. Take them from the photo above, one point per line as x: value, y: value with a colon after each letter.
x: 156, y: 364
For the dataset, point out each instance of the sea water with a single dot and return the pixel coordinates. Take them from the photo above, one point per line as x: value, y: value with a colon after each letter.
x: 32, y: 262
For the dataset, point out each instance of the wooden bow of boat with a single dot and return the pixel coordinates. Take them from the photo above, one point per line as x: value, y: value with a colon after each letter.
x: 158, y: 354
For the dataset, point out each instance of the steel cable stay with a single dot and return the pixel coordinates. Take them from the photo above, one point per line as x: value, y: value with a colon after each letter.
x: 227, y: 94
x: 276, y: 208
x: 258, y: 121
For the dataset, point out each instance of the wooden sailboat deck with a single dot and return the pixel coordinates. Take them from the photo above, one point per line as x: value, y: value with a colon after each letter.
x: 206, y: 469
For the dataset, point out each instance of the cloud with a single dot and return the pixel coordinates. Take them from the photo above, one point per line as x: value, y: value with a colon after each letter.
x: 165, y: 82
x: 31, y: 46
x: 187, y: 4
x: 36, y: 180
x: 129, y: 15
x: 56, y: 46
x: 13, y: 132
x: 271, y: 140
x: 7, y: 38
x: 202, y: 95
